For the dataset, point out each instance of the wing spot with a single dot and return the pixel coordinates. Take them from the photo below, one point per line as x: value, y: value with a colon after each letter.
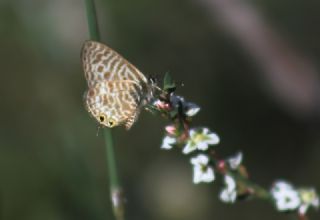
x: 91, y: 93
x: 106, y: 75
x: 110, y: 85
x: 100, y: 68
x: 99, y: 56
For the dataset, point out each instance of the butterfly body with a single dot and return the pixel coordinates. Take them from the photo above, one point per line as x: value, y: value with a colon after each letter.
x: 117, y: 91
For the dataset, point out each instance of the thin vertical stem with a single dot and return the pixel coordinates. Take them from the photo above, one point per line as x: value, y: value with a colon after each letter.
x: 115, y: 188
x: 92, y: 20
x: 116, y: 192
x: 111, y: 159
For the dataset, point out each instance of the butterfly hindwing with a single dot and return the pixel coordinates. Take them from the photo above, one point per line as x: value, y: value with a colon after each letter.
x: 119, y: 100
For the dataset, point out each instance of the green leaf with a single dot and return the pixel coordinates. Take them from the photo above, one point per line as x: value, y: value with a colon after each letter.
x: 168, y: 83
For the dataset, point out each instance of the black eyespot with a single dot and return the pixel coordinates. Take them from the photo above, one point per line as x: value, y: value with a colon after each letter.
x: 111, y: 123
x: 101, y: 118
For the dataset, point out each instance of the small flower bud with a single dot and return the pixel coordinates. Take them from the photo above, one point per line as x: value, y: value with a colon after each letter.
x: 162, y: 105
x: 170, y: 129
x: 222, y: 166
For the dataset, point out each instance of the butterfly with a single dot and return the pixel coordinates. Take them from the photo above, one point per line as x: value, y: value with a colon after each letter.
x: 117, y: 90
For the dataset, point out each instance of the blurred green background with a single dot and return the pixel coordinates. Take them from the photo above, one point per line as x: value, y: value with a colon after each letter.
x: 52, y: 164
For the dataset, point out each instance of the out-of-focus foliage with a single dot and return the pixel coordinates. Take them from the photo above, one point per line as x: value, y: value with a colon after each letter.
x: 52, y: 164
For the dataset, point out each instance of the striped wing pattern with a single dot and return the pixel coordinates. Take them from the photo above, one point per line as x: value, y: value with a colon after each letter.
x: 101, y: 63
x: 116, y: 88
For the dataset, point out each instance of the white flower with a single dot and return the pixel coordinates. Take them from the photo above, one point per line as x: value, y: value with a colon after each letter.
x: 235, y: 161
x: 191, y: 109
x: 285, y: 196
x: 201, y: 171
x: 200, y: 140
x: 167, y: 142
x: 309, y: 198
x: 229, y: 193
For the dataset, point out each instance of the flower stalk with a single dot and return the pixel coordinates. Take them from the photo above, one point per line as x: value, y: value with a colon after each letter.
x: 116, y: 193
x: 199, y: 142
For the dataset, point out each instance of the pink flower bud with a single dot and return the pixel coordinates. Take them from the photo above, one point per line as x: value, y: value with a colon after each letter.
x: 162, y: 105
x: 221, y: 166
x: 171, y: 129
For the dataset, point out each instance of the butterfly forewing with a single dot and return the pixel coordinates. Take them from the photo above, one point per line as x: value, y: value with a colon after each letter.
x: 117, y: 89
x: 102, y: 63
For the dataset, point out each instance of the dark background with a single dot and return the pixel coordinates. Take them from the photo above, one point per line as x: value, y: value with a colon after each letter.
x: 52, y: 164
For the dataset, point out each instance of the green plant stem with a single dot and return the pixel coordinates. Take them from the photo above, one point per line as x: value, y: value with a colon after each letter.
x: 92, y: 20
x: 116, y: 193
x: 111, y: 159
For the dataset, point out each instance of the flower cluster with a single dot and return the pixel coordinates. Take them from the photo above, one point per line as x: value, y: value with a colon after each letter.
x: 190, y: 140
x: 288, y: 198
x: 199, y: 139
x: 199, y: 142
x: 229, y: 193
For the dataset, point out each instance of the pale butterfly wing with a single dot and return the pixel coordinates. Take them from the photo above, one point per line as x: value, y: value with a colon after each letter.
x: 118, y: 101
x: 117, y: 89
x: 101, y: 63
